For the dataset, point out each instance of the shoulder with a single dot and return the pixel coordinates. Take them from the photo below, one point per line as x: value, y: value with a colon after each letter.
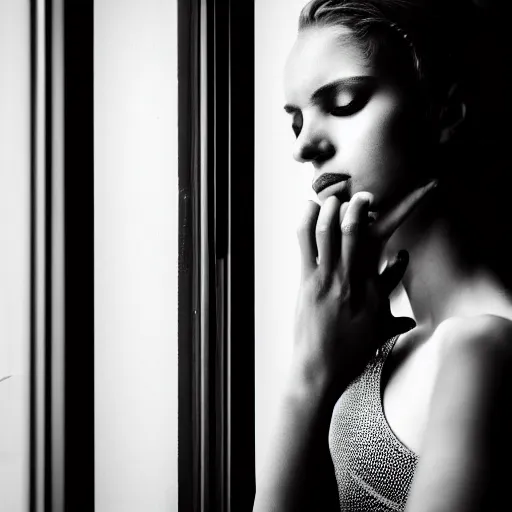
x: 467, y: 439
x: 488, y: 337
x: 473, y: 385
x: 475, y: 360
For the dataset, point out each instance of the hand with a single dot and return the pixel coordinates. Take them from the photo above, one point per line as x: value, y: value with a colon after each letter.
x: 343, y: 313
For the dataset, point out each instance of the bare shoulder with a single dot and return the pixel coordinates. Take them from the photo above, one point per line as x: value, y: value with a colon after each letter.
x: 488, y: 337
x: 476, y: 362
x: 467, y: 441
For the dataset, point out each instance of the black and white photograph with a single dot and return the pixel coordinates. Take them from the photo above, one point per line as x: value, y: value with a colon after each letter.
x: 255, y: 256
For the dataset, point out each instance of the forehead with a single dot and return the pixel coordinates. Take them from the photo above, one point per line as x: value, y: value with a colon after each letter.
x: 321, y: 55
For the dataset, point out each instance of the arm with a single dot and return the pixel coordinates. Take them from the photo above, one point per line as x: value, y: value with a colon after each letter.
x: 464, y: 463
x: 299, y: 474
x: 342, y: 316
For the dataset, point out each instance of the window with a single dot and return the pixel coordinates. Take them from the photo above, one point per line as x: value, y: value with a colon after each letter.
x: 135, y: 256
x: 14, y: 254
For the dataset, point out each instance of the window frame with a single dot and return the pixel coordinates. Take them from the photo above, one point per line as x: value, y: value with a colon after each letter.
x: 216, y: 260
x: 61, y: 466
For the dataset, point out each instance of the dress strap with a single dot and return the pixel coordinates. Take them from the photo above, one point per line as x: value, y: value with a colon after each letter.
x: 386, y: 347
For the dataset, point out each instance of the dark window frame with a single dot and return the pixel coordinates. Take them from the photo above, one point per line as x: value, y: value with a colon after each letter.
x: 216, y: 260
x: 61, y: 466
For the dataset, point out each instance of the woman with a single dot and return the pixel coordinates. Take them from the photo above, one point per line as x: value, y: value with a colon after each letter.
x: 395, y: 102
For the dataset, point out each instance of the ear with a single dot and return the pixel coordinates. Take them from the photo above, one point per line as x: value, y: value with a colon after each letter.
x: 452, y: 114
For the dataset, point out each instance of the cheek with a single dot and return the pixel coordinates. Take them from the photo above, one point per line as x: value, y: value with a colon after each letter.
x: 376, y: 145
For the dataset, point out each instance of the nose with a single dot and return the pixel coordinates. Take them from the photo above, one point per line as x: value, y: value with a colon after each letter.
x: 313, y: 144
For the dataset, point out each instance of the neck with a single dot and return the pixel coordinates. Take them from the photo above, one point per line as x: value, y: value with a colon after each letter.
x: 439, y: 282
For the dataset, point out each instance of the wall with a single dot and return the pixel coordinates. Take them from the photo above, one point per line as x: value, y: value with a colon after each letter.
x: 282, y: 186
x: 136, y: 251
x: 14, y: 254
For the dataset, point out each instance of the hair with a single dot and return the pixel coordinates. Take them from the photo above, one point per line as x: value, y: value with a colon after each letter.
x: 434, y: 44
x: 436, y: 41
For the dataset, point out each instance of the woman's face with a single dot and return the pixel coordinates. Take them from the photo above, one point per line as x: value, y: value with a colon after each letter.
x: 349, y: 117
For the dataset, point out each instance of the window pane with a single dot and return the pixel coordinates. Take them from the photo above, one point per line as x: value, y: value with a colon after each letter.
x: 14, y: 254
x: 136, y: 255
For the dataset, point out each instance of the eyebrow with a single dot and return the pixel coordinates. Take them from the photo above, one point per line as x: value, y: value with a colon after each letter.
x: 328, y: 89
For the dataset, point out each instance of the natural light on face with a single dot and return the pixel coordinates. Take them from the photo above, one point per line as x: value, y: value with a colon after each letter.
x: 347, y: 115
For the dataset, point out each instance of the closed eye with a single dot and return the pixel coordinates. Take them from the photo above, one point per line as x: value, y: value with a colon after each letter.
x: 349, y: 109
x: 347, y: 103
x: 341, y: 98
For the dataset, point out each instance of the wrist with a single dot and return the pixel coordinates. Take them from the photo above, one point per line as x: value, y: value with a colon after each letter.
x: 313, y: 387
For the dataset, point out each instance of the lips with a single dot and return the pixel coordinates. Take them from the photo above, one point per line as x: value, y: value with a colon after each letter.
x: 328, y: 179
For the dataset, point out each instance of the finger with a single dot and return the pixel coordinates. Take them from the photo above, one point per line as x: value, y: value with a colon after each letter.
x: 393, y: 273
x: 306, y: 236
x: 353, y: 228
x: 325, y: 232
x: 343, y: 211
x: 385, y: 227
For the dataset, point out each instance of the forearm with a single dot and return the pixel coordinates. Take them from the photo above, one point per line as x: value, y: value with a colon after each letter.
x: 298, y: 474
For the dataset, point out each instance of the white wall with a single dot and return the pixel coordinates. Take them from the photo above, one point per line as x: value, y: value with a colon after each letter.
x: 14, y: 253
x: 282, y: 187
x: 136, y: 254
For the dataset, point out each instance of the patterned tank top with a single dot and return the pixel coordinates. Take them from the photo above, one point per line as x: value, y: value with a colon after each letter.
x: 374, y: 469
